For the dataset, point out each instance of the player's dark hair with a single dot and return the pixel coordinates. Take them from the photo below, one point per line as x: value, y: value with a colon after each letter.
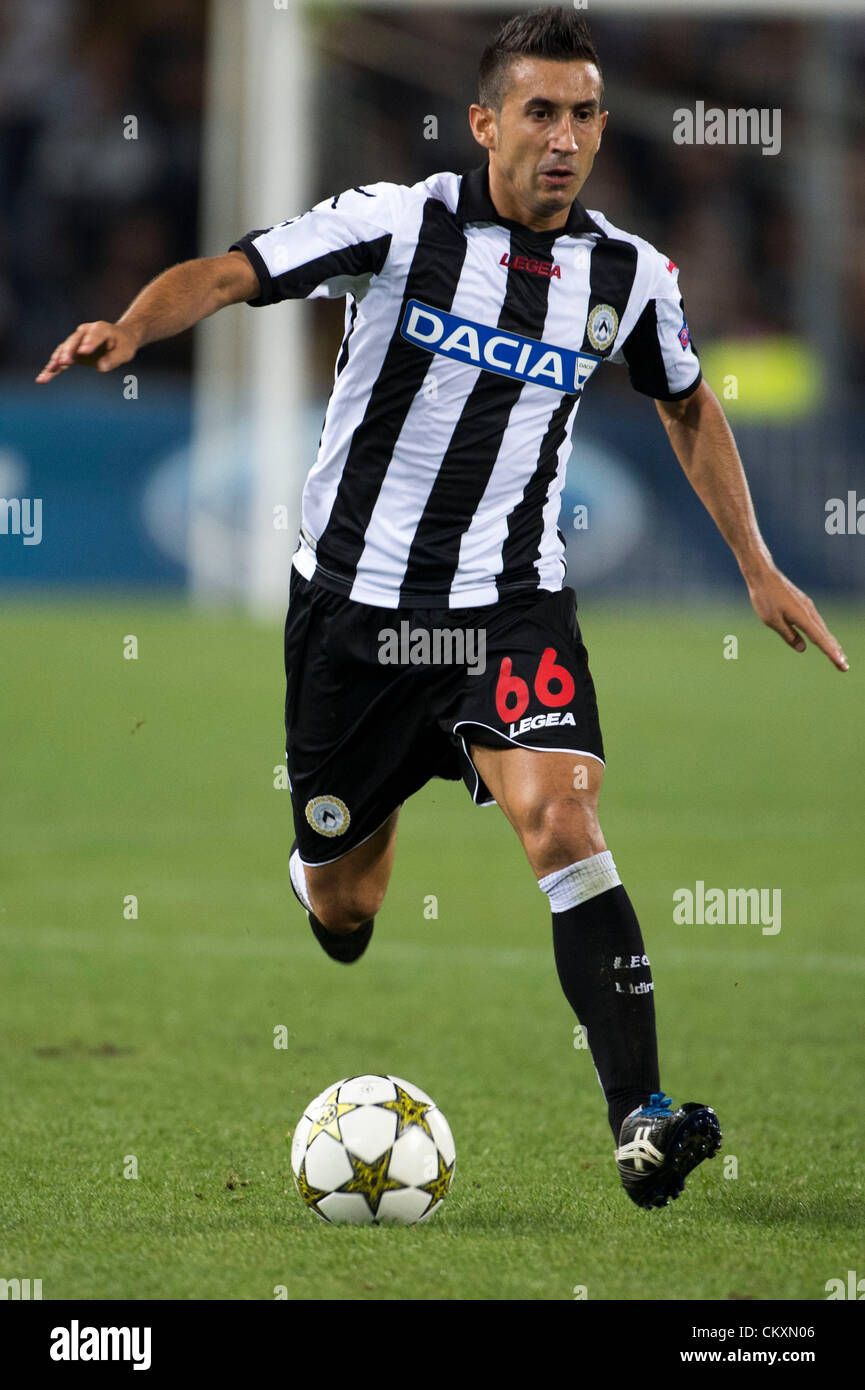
x: 553, y: 32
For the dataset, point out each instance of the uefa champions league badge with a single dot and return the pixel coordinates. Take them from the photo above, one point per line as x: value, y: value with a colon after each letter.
x: 602, y: 326
x: 328, y: 815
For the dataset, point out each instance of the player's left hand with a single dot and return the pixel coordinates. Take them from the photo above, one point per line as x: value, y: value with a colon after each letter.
x: 786, y: 609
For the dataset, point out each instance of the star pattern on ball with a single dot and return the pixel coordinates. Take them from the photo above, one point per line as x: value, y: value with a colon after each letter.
x: 371, y: 1180
x: 438, y: 1186
x: 311, y: 1195
x: 328, y: 1117
x: 408, y: 1112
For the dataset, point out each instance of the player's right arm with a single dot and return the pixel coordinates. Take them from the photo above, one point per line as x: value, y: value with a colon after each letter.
x: 173, y: 302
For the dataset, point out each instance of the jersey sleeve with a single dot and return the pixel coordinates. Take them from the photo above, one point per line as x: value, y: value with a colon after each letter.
x: 660, y: 356
x: 331, y: 250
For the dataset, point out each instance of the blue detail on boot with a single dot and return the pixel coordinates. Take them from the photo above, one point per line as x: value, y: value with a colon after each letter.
x: 659, y: 1104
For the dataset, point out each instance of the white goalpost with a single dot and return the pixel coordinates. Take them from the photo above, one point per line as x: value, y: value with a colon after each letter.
x: 249, y: 388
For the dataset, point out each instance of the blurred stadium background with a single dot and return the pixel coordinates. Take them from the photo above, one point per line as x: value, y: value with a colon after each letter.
x: 249, y: 112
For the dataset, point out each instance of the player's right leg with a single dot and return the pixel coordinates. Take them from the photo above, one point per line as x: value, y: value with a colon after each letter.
x: 359, y: 743
x: 343, y: 897
x: 350, y: 891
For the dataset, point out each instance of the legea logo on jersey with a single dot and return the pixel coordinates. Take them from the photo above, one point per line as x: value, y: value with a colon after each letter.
x: 509, y: 354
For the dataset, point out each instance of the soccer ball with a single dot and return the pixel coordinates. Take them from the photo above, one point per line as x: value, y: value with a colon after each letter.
x: 373, y: 1149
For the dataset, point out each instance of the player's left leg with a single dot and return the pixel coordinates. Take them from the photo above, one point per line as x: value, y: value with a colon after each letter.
x: 551, y: 799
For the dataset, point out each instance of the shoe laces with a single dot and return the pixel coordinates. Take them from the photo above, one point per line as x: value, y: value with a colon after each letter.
x: 659, y: 1104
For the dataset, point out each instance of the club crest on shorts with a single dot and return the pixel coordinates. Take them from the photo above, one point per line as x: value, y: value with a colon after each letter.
x: 602, y: 326
x: 328, y: 815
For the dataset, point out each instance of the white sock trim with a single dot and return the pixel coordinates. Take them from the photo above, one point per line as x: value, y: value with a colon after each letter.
x: 298, y: 878
x: 577, y: 883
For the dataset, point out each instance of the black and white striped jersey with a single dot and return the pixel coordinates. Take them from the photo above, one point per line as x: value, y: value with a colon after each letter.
x: 468, y: 341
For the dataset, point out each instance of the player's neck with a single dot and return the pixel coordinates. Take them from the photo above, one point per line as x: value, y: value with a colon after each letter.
x: 508, y: 203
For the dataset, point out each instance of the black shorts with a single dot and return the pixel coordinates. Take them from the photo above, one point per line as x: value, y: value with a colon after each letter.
x: 380, y: 700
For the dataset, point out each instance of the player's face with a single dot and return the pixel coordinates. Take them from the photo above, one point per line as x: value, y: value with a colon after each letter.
x: 543, y: 143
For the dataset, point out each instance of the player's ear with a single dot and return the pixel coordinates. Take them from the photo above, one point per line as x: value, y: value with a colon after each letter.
x: 482, y: 120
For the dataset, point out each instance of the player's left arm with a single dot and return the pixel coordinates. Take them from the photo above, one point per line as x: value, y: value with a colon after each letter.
x: 704, y: 445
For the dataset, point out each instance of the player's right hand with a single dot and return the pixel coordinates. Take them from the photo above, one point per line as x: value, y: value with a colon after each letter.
x: 101, y: 345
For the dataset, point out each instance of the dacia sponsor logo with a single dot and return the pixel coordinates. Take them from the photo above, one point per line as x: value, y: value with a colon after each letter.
x: 509, y: 354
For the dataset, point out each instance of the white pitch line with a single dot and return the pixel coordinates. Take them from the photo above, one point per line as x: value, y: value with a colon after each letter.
x: 765, y: 953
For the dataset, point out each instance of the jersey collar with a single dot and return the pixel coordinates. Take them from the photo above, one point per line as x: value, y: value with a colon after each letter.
x: 475, y: 205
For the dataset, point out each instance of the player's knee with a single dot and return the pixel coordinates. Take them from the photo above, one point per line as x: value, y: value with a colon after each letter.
x: 342, y: 909
x: 561, y: 830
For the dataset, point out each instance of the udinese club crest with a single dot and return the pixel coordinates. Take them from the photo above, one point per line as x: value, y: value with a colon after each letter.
x: 328, y: 815
x: 602, y: 326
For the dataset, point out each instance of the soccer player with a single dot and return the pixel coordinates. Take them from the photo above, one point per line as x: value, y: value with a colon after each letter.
x: 477, y: 308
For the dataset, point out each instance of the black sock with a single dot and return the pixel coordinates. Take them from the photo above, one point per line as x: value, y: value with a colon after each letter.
x: 607, y: 981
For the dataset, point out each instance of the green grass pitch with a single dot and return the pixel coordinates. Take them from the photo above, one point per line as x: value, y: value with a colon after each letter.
x: 152, y: 1039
